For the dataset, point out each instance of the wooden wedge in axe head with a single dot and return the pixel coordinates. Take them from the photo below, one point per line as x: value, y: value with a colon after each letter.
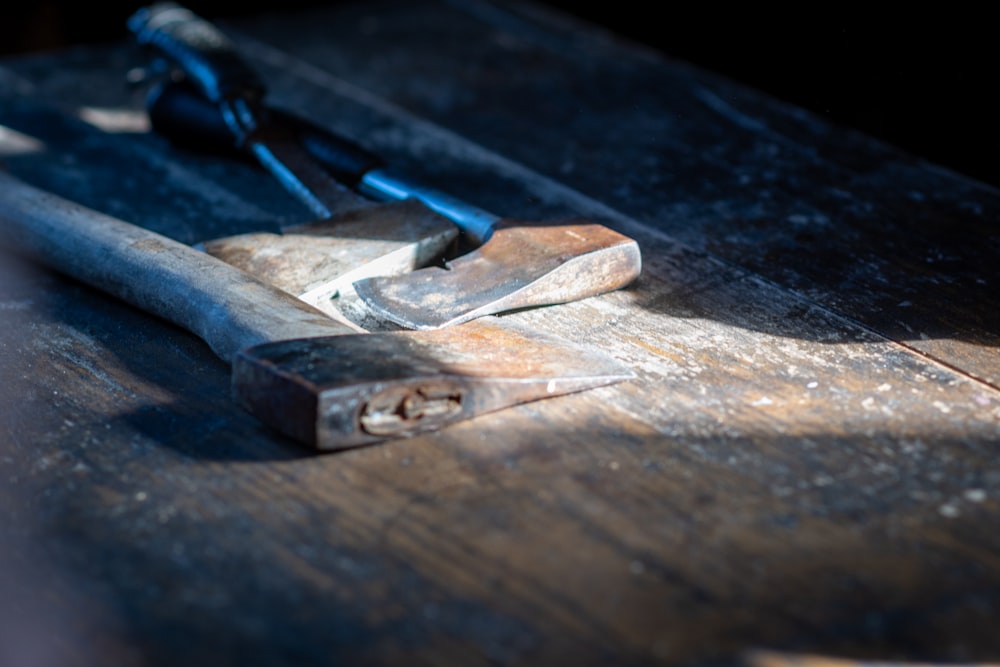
x: 517, y: 264
x: 296, y: 369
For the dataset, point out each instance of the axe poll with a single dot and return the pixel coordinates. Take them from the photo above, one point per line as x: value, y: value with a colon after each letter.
x: 294, y: 368
x: 518, y: 264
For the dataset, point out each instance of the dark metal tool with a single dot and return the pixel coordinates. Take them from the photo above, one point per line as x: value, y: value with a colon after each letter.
x: 294, y: 368
x: 517, y: 264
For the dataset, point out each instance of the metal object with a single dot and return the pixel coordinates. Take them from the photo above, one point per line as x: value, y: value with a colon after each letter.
x: 294, y: 368
x: 539, y: 264
x: 382, y: 183
x: 319, y: 261
x: 498, y: 276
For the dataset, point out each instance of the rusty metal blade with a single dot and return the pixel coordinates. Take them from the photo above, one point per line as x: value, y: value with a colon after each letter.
x: 521, y: 265
x: 360, y: 389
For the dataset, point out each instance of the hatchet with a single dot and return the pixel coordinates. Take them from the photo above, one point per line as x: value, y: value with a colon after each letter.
x: 294, y: 368
x: 517, y: 264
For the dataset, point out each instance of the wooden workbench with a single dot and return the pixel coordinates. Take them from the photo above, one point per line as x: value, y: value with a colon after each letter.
x: 806, y: 461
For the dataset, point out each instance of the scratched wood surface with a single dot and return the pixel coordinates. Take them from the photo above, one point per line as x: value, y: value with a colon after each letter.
x: 806, y: 461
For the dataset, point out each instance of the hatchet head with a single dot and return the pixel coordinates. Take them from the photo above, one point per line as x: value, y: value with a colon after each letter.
x: 523, y: 264
x: 350, y: 390
x: 319, y: 261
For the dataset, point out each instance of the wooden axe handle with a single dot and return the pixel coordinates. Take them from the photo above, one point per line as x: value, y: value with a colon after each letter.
x: 227, y: 308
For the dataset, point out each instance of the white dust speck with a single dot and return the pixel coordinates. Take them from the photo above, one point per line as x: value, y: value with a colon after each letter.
x: 975, y: 495
x: 812, y: 385
x: 763, y: 400
x: 948, y: 510
x: 942, y: 407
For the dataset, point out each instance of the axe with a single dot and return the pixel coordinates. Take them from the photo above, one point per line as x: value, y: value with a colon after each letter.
x: 517, y: 264
x: 299, y: 371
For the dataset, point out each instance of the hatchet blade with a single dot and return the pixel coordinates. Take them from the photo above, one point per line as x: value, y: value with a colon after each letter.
x: 522, y: 265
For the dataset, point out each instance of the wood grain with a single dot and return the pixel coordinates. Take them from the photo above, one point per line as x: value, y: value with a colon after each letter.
x: 901, y: 246
x: 786, y: 472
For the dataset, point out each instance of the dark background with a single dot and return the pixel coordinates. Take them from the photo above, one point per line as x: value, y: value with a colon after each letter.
x: 920, y: 79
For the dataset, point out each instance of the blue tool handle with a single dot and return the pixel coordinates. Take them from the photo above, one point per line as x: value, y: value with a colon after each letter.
x: 180, y: 113
x: 200, y: 49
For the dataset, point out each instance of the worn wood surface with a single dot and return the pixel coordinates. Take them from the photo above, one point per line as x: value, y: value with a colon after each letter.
x: 806, y: 462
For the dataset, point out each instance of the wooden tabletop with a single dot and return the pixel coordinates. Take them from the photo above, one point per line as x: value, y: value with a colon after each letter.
x: 805, y: 463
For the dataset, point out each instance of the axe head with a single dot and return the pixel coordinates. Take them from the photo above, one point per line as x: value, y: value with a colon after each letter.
x: 521, y: 265
x: 320, y: 261
x: 344, y: 391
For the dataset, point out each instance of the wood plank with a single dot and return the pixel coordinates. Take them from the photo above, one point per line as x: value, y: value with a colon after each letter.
x: 777, y: 476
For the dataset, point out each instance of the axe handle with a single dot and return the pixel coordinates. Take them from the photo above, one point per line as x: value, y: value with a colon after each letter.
x: 227, y: 308
x: 196, y: 46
